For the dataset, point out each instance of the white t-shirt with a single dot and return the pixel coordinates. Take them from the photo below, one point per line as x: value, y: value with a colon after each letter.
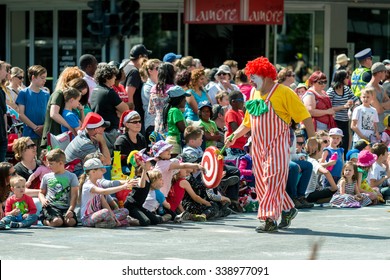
x: 366, y: 117
x: 163, y: 166
x: 377, y: 172
x: 314, y: 178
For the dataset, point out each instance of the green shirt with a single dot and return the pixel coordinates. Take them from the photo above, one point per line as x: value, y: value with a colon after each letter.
x: 210, y: 127
x: 175, y: 116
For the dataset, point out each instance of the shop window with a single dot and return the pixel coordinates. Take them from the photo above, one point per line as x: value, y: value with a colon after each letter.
x: 299, y: 43
x: 159, y: 31
x: 20, y: 33
x: 43, y: 43
x: 67, y: 43
x: 369, y: 28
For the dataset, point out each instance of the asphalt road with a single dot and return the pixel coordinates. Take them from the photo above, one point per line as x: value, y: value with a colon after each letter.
x: 341, y: 234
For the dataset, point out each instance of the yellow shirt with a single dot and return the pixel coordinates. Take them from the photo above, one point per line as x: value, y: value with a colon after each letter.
x: 285, y: 103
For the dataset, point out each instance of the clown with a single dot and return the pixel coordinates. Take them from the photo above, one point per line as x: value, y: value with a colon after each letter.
x: 268, y: 116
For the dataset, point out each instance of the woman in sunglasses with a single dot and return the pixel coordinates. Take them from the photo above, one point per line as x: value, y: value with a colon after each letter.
x: 131, y: 139
x: 318, y: 102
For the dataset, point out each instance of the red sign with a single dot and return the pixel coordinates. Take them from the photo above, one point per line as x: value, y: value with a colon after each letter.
x: 234, y: 11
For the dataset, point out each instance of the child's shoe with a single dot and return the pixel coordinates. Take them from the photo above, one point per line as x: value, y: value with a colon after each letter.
x: 231, y: 181
x: 132, y: 221
x: 198, y: 218
x: 14, y: 225
x: 182, y: 217
x: 2, y: 226
x: 105, y: 224
x: 165, y: 218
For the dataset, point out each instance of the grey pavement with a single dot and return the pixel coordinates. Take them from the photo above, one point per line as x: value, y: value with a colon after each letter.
x: 342, y: 234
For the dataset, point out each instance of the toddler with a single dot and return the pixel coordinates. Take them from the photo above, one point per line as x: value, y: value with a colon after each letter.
x: 365, y: 161
x: 155, y: 197
x: 20, y: 210
x: 41, y: 170
x: 348, y: 194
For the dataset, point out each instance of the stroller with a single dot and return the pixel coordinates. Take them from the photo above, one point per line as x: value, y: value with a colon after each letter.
x: 15, y: 129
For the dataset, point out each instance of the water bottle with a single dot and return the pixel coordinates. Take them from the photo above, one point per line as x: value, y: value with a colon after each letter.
x: 333, y: 157
x: 160, y: 210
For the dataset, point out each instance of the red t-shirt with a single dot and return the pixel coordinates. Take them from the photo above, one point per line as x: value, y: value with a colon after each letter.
x: 176, y: 195
x: 25, y: 204
x: 121, y: 91
x: 237, y: 117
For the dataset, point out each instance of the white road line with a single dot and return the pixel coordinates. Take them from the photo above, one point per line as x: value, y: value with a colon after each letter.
x: 46, y: 245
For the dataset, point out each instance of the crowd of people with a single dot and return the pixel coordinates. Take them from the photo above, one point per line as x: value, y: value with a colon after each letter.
x: 133, y: 135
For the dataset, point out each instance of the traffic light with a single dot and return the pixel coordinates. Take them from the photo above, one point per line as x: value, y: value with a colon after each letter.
x: 97, y: 26
x: 129, y: 17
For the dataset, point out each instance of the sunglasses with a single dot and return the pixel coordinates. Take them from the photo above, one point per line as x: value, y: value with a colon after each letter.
x: 322, y: 82
x: 291, y: 75
x: 220, y: 74
x: 30, y: 146
x: 20, y: 77
x: 300, y: 143
x: 239, y: 99
x: 12, y: 174
x: 155, y: 68
x: 135, y: 122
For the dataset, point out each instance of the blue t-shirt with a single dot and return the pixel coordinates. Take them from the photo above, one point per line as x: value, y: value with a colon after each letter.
x: 189, y: 113
x: 35, y: 104
x: 336, y: 171
x: 71, y: 118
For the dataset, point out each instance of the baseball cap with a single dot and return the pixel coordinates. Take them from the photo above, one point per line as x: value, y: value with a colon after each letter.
x: 93, y: 163
x: 224, y: 69
x: 138, y: 50
x: 336, y: 131
x: 171, y: 57
x: 177, y: 91
x: 204, y: 104
x: 378, y: 67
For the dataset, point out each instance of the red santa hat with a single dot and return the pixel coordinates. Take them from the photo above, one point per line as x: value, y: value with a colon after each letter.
x: 94, y: 120
x: 128, y: 115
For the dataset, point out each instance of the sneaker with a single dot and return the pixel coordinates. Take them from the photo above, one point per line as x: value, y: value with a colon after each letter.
x: 287, y: 218
x: 236, y: 207
x: 297, y: 203
x: 132, y: 221
x: 231, y: 181
x: 2, y: 226
x: 305, y: 203
x: 268, y: 225
x: 198, y: 218
x: 166, y: 217
x: 184, y: 216
x: 14, y: 225
x: 110, y: 224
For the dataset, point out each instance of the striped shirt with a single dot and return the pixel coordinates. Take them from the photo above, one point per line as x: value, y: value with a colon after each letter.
x: 340, y: 100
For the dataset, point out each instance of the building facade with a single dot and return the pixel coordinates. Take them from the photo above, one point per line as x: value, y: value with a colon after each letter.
x: 53, y: 33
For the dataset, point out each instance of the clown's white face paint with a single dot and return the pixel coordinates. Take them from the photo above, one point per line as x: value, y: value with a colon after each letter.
x: 257, y: 81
